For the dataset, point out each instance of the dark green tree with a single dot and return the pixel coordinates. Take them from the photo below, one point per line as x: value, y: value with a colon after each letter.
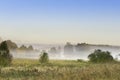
x: 99, y: 56
x: 44, y: 58
x: 5, y: 56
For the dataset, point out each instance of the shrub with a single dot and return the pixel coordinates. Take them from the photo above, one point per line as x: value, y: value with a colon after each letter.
x: 5, y: 56
x: 80, y: 60
x: 99, y: 56
x: 44, y: 58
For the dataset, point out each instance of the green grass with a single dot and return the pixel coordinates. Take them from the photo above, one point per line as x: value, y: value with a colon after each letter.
x: 25, y: 69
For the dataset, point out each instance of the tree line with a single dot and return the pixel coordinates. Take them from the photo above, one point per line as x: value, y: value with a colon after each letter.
x: 98, y: 56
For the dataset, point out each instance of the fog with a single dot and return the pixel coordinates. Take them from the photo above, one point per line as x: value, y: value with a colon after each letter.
x: 61, y: 55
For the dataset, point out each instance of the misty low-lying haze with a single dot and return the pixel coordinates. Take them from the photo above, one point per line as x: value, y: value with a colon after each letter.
x: 67, y: 51
x: 60, y: 52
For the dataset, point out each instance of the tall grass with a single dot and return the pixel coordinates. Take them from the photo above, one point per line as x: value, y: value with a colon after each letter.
x: 59, y: 70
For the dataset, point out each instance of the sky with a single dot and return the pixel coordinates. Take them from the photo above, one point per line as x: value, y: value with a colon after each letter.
x: 60, y: 21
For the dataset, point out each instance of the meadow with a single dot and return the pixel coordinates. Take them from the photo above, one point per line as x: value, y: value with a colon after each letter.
x: 28, y: 69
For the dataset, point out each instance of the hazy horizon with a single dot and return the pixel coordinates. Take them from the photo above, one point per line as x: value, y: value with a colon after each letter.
x: 60, y: 21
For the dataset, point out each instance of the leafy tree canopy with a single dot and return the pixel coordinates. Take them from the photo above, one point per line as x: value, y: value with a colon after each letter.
x: 99, y: 56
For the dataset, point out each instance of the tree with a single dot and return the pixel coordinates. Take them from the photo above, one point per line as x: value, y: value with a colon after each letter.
x: 82, y: 47
x: 44, y: 58
x: 5, y: 56
x: 23, y: 47
x: 30, y: 48
x: 53, y: 50
x: 68, y: 48
x: 99, y: 56
x: 11, y: 45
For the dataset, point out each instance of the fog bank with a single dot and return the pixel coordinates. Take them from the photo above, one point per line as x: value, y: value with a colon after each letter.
x: 58, y: 52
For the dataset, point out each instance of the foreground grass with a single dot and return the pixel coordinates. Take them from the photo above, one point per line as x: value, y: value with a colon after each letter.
x: 25, y: 69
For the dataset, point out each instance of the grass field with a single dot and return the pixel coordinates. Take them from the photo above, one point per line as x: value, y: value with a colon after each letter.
x: 25, y: 69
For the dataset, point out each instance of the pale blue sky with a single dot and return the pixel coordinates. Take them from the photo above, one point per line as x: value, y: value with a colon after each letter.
x: 59, y: 21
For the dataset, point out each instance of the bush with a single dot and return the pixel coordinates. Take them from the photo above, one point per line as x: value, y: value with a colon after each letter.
x: 99, y: 56
x: 80, y: 60
x: 44, y: 58
x: 5, y: 56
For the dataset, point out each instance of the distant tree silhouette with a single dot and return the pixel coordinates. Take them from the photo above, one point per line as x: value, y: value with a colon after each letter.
x: 82, y: 47
x: 68, y: 48
x: 30, y: 48
x: 23, y: 47
x: 5, y: 56
x: 99, y: 56
x: 11, y: 45
x: 44, y: 58
x: 53, y: 50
